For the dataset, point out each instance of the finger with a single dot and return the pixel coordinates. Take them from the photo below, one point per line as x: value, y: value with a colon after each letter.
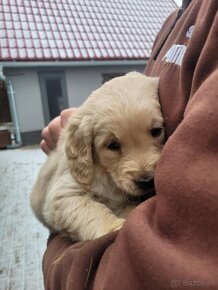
x: 45, y: 147
x: 48, y: 138
x: 65, y: 114
x: 54, y: 129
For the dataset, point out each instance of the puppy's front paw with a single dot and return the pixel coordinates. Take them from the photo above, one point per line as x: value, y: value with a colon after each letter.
x: 110, y: 227
x: 118, y: 224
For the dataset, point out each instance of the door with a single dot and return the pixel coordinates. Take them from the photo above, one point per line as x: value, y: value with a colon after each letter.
x: 54, y: 94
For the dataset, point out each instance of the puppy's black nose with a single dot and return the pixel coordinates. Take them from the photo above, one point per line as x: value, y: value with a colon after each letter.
x: 144, y: 183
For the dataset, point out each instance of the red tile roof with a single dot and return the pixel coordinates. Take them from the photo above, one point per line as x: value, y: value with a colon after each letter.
x: 80, y: 29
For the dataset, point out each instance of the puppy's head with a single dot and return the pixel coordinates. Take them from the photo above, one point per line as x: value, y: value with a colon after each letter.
x: 120, y: 129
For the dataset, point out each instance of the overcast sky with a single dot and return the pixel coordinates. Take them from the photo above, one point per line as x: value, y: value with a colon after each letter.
x: 179, y: 2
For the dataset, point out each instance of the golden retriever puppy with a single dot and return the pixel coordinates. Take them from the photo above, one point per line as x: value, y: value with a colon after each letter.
x: 107, y: 153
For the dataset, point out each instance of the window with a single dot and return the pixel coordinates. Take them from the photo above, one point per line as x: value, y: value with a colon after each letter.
x: 109, y: 76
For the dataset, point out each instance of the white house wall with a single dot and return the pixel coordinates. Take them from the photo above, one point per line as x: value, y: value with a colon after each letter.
x: 80, y: 82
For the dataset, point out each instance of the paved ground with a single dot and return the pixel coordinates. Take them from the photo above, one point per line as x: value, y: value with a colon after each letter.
x: 22, y: 237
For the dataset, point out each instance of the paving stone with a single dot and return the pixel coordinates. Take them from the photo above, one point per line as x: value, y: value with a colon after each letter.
x: 23, y: 238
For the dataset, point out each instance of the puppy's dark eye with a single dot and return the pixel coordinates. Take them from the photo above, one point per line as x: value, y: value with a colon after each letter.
x: 113, y: 145
x: 156, y: 132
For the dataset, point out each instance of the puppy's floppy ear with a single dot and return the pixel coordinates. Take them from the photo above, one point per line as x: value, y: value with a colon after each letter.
x: 78, y: 147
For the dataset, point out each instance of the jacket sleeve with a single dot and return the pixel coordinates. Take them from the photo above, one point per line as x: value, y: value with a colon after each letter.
x: 169, y: 240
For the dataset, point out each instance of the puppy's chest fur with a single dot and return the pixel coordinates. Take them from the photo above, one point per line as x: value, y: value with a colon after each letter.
x: 105, y: 191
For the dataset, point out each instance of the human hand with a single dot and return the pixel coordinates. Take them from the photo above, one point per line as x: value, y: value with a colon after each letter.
x: 51, y: 133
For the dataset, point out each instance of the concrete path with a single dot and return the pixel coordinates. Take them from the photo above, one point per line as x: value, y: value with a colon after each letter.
x: 22, y: 237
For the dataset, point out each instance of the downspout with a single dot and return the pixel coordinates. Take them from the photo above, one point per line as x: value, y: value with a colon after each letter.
x: 12, y: 104
x: 11, y: 97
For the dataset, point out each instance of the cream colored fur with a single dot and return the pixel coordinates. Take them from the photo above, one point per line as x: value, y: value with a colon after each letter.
x: 81, y: 189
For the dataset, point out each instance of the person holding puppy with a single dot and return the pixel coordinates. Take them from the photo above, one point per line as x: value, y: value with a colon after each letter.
x: 170, y: 240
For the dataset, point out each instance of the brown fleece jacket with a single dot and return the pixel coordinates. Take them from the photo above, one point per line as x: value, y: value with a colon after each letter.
x: 170, y: 240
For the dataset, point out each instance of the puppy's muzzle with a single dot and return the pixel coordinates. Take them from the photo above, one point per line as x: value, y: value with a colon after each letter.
x: 145, y: 183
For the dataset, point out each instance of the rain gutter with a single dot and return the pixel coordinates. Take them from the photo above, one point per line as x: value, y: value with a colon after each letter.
x: 32, y: 64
